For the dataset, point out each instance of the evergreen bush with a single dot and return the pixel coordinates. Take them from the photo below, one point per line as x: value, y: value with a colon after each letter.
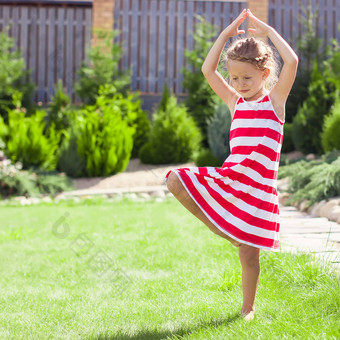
x: 330, y: 136
x: 206, y: 158
x: 218, y: 132
x: 69, y: 161
x: 287, y: 144
x: 26, y: 140
x: 14, y: 79
x: 174, y: 136
x: 131, y: 111
x: 201, y: 100
x: 105, y: 139
x: 60, y: 113
x: 102, y: 68
x: 307, y: 124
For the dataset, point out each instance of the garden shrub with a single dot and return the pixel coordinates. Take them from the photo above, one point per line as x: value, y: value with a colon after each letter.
x: 26, y: 140
x: 60, y: 113
x: 14, y: 79
x: 308, y: 122
x: 330, y: 136
x: 206, y: 158
x: 287, y: 144
x: 132, y: 113
x: 218, y: 132
x: 201, y: 100
x: 105, y: 139
x: 174, y: 136
x: 102, y: 68
x: 312, y: 180
x: 15, y: 181
x: 69, y: 161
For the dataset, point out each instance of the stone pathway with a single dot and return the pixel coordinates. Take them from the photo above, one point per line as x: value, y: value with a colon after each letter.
x: 301, y: 232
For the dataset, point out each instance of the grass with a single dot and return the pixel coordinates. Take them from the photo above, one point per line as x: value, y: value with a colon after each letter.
x: 133, y: 270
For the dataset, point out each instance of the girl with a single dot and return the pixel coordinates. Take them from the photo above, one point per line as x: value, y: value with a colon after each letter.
x: 239, y: 201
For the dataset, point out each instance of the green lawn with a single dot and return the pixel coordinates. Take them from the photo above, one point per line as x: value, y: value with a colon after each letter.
x: 133, y: 270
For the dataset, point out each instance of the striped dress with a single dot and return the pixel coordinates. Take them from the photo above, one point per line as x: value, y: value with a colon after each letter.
x: 241, y: 198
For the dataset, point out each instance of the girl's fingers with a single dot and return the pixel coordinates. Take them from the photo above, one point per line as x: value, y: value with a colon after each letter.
x: 241, y: 32
x: 253, y: 30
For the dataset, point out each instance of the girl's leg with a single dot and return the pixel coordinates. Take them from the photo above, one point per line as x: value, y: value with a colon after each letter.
x: 250, y: 261
x: 177, y: 189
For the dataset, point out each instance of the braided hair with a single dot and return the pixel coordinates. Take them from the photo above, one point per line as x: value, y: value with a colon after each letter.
x: 257, y: 53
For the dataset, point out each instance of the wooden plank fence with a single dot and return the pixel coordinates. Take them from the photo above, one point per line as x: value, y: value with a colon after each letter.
x: 52, y: 40
x: 155, y: 33
x: 284, y: 16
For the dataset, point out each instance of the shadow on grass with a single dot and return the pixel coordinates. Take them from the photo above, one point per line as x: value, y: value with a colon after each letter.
x: 157, y: 335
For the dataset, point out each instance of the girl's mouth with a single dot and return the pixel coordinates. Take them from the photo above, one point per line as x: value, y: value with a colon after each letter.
x: 244, y: 91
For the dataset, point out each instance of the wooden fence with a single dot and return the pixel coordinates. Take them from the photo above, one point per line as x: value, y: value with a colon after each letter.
x: 155, y: 33
x: 284, y: 16
x: 52, y: 40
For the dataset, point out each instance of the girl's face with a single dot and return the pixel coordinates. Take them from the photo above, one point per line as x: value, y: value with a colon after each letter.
x: 247, y: 79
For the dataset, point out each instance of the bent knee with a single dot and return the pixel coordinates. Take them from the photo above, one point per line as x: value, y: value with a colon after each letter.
x: 174, y: 184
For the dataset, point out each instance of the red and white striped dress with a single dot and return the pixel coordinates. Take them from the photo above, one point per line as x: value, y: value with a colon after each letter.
x: 241, y: 198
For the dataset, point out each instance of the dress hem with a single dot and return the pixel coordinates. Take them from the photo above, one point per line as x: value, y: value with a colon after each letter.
x: 217, y: 226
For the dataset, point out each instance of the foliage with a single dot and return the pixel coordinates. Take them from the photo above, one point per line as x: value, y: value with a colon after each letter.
x: 59, y: 109
x: 105, y: 139
x: 288, y: 145
x: 201, y: 99
x: 308, y: 122
x: 308, y: 48
x: 14, y: 80
x: 26, y: 141
x: 174, y: 136
x: 130, y: 108
x: 102, y: 68
x: 313, y: 180
x: 69, y: 160
x: 15, y: 181
x: 218, y: 132
x: 206, y: 158
x: 330, y: 136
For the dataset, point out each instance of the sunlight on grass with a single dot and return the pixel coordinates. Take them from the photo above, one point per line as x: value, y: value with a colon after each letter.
x: 134, y: 270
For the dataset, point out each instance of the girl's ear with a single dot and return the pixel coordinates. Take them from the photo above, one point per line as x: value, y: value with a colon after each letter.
x: 266, y: 73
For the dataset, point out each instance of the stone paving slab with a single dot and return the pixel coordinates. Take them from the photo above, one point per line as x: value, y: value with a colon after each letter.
x: 300, y: 232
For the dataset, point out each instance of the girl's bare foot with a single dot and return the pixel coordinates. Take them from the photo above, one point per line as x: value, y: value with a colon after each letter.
x: 248, y: 316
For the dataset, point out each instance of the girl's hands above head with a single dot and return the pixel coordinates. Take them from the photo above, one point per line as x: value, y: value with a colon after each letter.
x: 259, y: 28
x: 232, y: 30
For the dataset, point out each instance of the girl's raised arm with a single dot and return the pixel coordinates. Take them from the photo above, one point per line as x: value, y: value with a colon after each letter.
x: 209, y: 67
x: 281, y: 90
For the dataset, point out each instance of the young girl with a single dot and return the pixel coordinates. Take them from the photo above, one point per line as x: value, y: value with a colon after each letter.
x: 239, y: 201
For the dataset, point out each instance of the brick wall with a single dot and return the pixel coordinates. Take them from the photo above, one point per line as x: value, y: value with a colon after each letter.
x: 102, y: 15
x: 259, y: 8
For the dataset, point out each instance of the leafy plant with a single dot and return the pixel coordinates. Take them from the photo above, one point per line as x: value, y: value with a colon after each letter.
x: 308, y: 122
x: 174, y: 136
x: 330, y: 136
x: 14, y: 79
x: 218, y: 132
x: 132, y: 113
x: 102, y: 68
x: 205, y: 157
x: 26, y: 141
x: 201, y: 99
x: 59, y: 108
x: 105, y: 139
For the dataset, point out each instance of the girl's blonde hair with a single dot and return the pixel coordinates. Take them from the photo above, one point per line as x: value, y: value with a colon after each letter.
x: 257, y: 53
